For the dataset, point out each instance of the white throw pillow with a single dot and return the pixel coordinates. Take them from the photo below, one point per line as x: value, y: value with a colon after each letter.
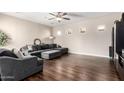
x: 29, y: 47
x: 19, y: 54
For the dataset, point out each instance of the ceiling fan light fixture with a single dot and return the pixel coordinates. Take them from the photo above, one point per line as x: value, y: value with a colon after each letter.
x: 58, y: 19
x: 59, y: 16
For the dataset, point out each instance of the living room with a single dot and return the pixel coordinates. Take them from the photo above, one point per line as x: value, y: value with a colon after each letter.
x: 77, y: 45
x: 61, y: 46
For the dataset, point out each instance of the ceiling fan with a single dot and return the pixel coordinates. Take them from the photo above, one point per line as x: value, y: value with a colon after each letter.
x: 59, y: 16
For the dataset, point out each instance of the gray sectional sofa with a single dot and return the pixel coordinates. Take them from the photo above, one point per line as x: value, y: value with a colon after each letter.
x: 14, y: 68
x: 46, y: 51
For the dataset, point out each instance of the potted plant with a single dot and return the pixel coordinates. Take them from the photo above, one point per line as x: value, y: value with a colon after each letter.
x: 3, y: 39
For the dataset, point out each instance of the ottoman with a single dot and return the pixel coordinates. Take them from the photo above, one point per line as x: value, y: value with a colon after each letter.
x: 51, y: 54
x: 63, y: 50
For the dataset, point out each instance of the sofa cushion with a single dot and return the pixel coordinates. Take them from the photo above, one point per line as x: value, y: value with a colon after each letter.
x: 7, y: 53
x: 19, y: 54
x: 29, y: 47
x: 59, y: 46
x: 51, y: 46
x: 34, y: 48
x: 38, y: 47
x: 45, y: 46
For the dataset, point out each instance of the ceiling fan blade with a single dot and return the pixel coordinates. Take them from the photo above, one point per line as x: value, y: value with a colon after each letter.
x: 66, y: 18
x: 64, y: 14
x: 59, y: 13
x: 51, y: 18
x: 52, y: 14
x: 75, y: 14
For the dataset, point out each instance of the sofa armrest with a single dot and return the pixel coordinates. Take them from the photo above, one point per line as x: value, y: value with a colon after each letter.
x: 7, y: 65
x: 28, y: 58
x: 11, y: 59
x: 6, y: 59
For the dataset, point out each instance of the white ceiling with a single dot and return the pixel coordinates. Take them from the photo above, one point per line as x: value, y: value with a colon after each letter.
x: 42, y: 17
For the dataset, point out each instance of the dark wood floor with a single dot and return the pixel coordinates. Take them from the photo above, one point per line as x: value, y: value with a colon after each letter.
x: 76, y: 67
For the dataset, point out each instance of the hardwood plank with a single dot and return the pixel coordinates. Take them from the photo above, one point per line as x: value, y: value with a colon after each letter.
x: 73, y: 67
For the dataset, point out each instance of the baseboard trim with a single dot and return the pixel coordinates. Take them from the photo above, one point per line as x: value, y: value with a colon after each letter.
x: 88, y: 54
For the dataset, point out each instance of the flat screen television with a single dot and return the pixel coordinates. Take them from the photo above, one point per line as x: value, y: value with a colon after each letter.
x: 119, y: 36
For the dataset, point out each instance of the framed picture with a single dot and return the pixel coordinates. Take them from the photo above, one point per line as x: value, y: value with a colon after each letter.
x: 69, y: 31
x: 82, y: 29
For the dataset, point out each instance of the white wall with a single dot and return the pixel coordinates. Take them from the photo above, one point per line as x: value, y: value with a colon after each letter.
x: 22, y: 32
x: 92, y: 42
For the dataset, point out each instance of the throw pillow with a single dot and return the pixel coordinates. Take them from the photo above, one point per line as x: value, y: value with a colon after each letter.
x: 19, y: 54
x: 34, y: 47
x: 5, y: 52
x: 29, y: 47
